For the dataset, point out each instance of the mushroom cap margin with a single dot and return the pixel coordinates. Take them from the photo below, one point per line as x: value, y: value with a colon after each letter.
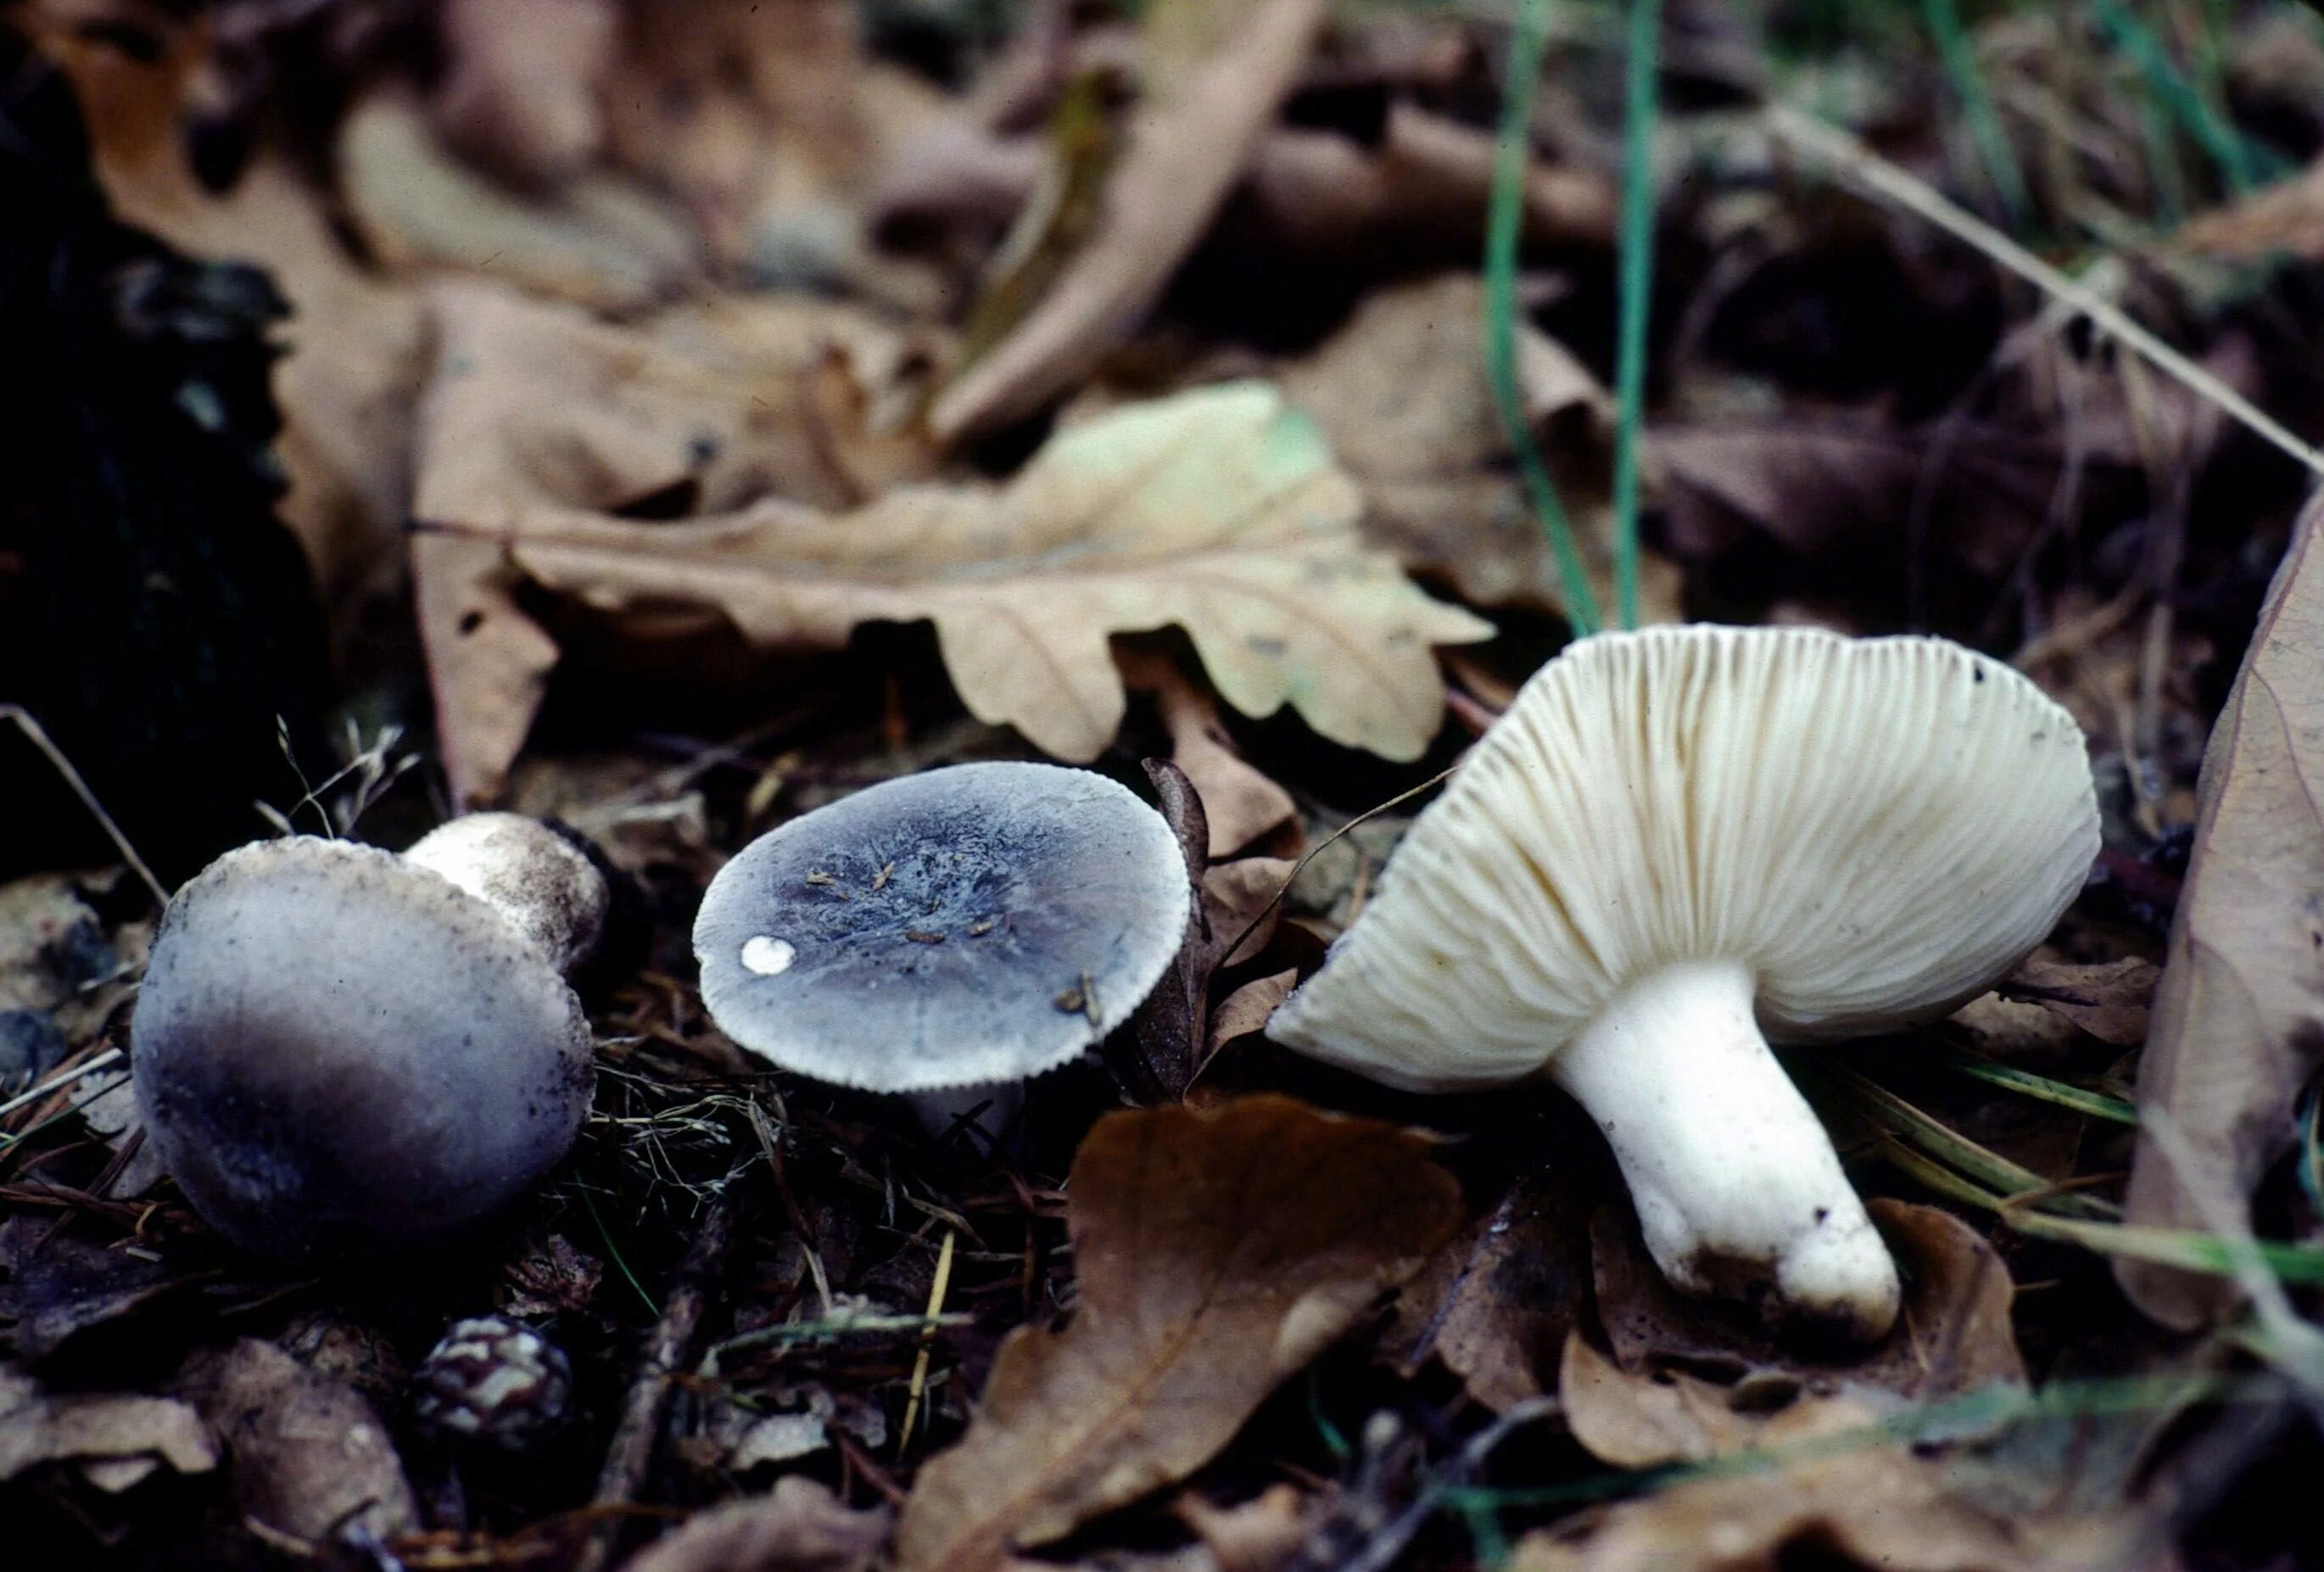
x: 1880, y: 827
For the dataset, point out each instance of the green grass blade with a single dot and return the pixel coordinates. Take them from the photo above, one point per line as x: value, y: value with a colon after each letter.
x: 1892, y: 1115
x: 2238, y: 160
x: 1639, y: 109
x: 1504, y: 226
x: 1984, y: 128
x: 2063, y: 1094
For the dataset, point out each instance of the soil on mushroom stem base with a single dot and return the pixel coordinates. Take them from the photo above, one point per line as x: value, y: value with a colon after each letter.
x: 666, y: 418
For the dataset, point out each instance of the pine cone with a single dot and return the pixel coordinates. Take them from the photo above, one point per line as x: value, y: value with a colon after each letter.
x: 496, y: 1381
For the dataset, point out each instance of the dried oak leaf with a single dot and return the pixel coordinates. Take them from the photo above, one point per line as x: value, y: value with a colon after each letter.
x: 1217, y: 1251
x: 39, y: 1427
x: 2113, y: 1000
x: 310, y: 1457
x: 596, y: 239
x: 798, y: 1527
x: 1217, y: 511
x: 1652, y: 1403
x: 533, y: 404
x: 1401, y: 392
x: 1188, y: 148
x: 1878, y: 1507
x: 2238, y: 1024
x: 1240, y: 804
x: 1496, y: 1304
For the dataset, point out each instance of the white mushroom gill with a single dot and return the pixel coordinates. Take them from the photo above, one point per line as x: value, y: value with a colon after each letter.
x: 1680, y: 842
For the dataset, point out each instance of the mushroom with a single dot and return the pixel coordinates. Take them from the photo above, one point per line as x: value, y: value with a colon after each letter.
x: 338, y: 1051
x: 965, y: 927
x: 1681, y: 843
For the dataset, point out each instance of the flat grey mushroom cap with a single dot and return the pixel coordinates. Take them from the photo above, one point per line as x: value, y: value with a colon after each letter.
x: 337, y: 1052
x: 974, y: 924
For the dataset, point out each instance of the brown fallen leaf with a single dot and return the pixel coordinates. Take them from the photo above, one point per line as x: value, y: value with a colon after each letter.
x: 1186, y: 149
x: 798, y: 1527
x: 2110, y: 1000
x: 1643, y: 1421
x: 1258, y: 1535
x: 39, y: 1427
x: 1217, y: 1253
x: 1245, y: 1010
x: 1953, y: 1336
x: 310, y: 1457
x: 595, y: 239
x: 524, y: 85
x: 533, y: 404
x: 1415, y: 197
x: 1215, y: 511
x: 1240, y: 805
x: 1881, y: 1507
x: 1496, y: 1304
x: 2238, y: 1023
x: 1401, y: 392
x: 54, y: 1286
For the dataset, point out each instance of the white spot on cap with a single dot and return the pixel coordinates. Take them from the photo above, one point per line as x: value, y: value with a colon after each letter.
x: 768, y: 957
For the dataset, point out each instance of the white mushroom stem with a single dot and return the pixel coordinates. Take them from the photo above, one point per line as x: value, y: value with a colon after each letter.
x: 1732, y: 1175
x: 541, y: 883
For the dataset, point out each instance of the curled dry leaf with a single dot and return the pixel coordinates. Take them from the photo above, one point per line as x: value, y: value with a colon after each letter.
x: 2238, y: 1024
x: 1216, y: 511
x: 523, y: 83
x: 310, y: 1457
x: 1880, y: 1507
x: 1217, y: 1253
x: 1186, y: 150
x: 595, y: 239
x: 2110, y: 1000
x: 1496, y: 1304
x: 798, y: 1527
x: 1954, y: 1335
x: 1240, y: 804
x: 534, y: 405
x: 39, y: 1427
x: 1401, y: 392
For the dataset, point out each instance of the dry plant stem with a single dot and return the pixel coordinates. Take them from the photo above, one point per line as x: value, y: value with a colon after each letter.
x: 1730, y: 1168
x: 38, y: 738
x: 1183, y: 158
x: 632, y: 1453
x: 1855, y: 162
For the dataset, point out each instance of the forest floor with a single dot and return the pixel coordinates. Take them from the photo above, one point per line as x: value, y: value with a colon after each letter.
x: 692, y: 412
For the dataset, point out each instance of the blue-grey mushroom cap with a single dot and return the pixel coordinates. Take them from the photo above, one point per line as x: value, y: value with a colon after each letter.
x: 337, y: 1052
x: 974, y: 924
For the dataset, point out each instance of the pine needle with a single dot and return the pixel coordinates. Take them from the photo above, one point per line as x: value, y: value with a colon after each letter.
x: 927, y: 1338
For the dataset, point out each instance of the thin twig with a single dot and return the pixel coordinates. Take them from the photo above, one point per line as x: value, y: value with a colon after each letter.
x: 634, y: 1438
x: 927, y: 1342
x: 1851, y: 160
x: 63, y: 766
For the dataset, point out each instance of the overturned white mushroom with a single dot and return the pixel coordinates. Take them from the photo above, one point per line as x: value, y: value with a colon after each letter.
x: 1681, y: 843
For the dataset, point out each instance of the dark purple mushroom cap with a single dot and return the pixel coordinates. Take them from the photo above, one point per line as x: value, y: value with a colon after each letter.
x: 976, y: 924
x: 337, y: 1052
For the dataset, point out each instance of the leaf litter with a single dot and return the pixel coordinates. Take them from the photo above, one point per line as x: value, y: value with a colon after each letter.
x: 702, y: 412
